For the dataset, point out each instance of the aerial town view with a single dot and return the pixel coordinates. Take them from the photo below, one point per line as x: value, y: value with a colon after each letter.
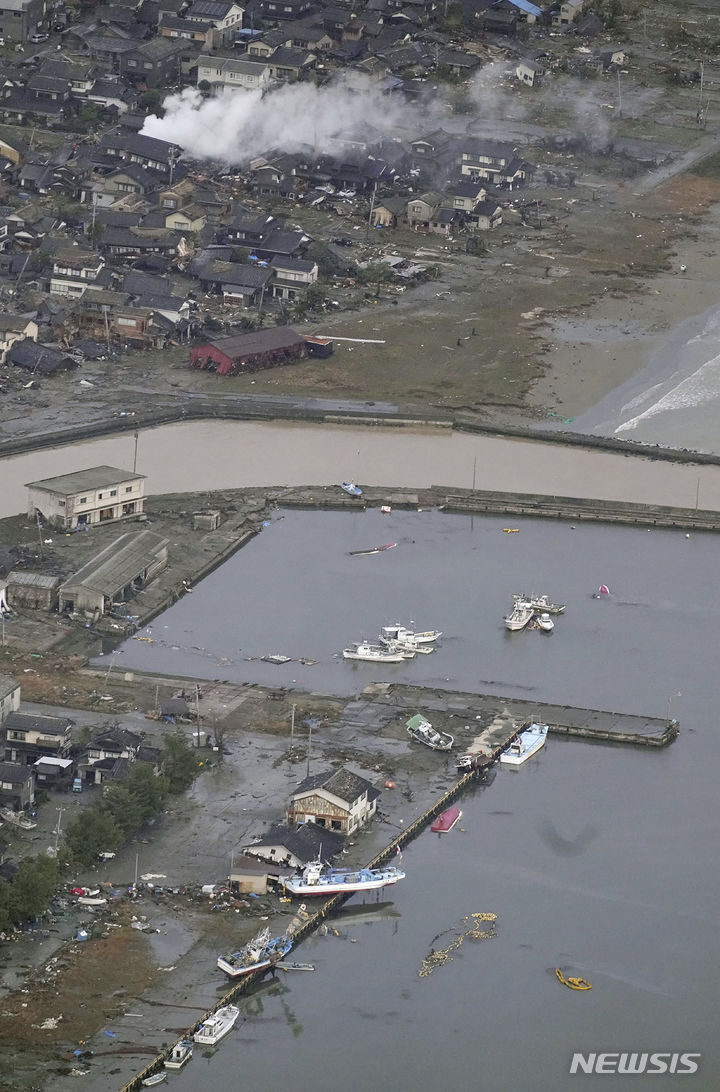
x: 359, y: 485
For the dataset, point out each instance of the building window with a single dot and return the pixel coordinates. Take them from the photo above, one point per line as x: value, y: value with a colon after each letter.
x: 83, y: 500
x: 132, y: 64
x: 128, y: 489
x: 100, y: 496
x: 113, y: 492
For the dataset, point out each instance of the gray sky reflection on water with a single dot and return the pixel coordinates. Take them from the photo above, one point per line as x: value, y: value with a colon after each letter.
x: 595, y: 858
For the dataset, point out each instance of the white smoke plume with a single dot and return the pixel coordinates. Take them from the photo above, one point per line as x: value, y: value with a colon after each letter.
x: 237, y: 125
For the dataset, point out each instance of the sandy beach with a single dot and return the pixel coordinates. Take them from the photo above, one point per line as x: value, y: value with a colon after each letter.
x: 624, y: 366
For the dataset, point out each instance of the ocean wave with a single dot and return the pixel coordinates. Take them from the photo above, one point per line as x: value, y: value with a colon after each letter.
x: 698, y: 389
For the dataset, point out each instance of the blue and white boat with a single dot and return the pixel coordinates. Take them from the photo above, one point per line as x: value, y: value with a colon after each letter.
x: 260, y: 952
x: 317, y: 878
x: 351, y: 488
x: 527, y: 744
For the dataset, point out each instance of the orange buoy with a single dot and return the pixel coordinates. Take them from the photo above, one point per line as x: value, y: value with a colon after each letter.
x: 389, y: 784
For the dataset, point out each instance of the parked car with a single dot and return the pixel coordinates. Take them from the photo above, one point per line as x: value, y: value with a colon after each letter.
x: 77, y: 785
x: 37, y: 38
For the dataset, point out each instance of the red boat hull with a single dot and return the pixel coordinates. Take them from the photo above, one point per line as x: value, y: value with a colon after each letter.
x: 446, y: 820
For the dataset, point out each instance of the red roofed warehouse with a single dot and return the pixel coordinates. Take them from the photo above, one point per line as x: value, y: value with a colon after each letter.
x: 250, y: 352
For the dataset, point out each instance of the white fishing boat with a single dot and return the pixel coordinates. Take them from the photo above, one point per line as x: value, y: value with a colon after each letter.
x: 421, y: 730
x: 317, y: 878
x: 397, y: 632
x: 544, y: 622
x: 259, y: 953
x: 541, y: 603
x: 216, y: 1027
x: 528, y: 743
x: 521, y: 615
x: 363, y: 650
x: 18, y: 819
x: 180, y: 1054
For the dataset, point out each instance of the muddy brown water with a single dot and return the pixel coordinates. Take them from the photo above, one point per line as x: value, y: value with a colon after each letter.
x: 227, y: 454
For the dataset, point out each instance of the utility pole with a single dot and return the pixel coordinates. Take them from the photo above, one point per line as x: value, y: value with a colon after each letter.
x: 107, y: 675
x: 39, y: 527
x: 307, y: 767
x: 372, y: 206
x: 197, y: 714
x: 619, y: 95
x: 292, y: 726
x: 135, y: 455
x: 474, y: 471
x: 137, y: 855
x: 92, y: 226
x: 107, y: 328
x: 57, y: 828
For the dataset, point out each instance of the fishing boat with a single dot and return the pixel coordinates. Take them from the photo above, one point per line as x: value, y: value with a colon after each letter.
x: 408, y: 644
x: 521, y: 615
x: 363, y: 650
x: 216, y: 1027
x: 396, y: 632
x: 529, y: 741
x: 156, y: 1078
x: 544, y: 622
x: 422, y: 731
x: 17, y: 819
x: 446, y: 820
x: 258, y: 953
x: 352, y: 489
x: 180, y: 1054
x: 318, y: 878
x: 541, y: 603
x: 373, y: 550
x: 296, y: 966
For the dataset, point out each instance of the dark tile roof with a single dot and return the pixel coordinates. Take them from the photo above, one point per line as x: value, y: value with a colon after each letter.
x: 30, y: 722
x: 345, y: 784
x: 304, y: 841
x: 15, y: 773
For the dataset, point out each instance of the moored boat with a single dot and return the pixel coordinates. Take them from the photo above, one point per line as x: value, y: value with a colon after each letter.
x: 544, y: 622
x: 396, y: 632
x: 522, y: 613
x: 373, y: 550
x: 541, y: 603
x: 352, y: 489
x: 317, y: 878
x: 363, y: 650
x: 180, y: 1054
x: 528, y: 743
x: 446, y: 820
x: 260, y: 952
x: 156, y: 1078
x: 421, y: 730
x: 216, y: 1027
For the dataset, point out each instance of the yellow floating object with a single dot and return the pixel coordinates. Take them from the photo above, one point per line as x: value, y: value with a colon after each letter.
x: 511, y: 530
x: 572, y: 983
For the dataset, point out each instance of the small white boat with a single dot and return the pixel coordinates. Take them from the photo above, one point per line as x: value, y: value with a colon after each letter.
x: 422, y: 731
x: 409, y: 645
x: 544, y: 622
x: 351, y: 489
x: 180, y: 1054
x: 216, y: 1027
x: 363, y: 650
x: 259, y: 953
x: 396, y: 632
x: 541, y: 603
x: 522, y: 614
x: 527, y: 744
x: 156, y: 1078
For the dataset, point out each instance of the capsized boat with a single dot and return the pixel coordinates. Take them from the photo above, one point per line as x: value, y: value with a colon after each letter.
x: 541, y: 603
x: 363, y: 650
x: 373, y: 550
x: 396, y: 632
x: 180, y: 1054
x: 529, y: 741
x: 421, y: 730
x: 258, y: 953
x: 446, y: 820
x: 522, y: 613
x: 216, y: 1027
x: 317, y: 878
x: 351, y: 488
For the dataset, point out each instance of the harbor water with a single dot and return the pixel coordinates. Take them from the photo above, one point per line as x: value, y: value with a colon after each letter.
x: 597, y: 859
